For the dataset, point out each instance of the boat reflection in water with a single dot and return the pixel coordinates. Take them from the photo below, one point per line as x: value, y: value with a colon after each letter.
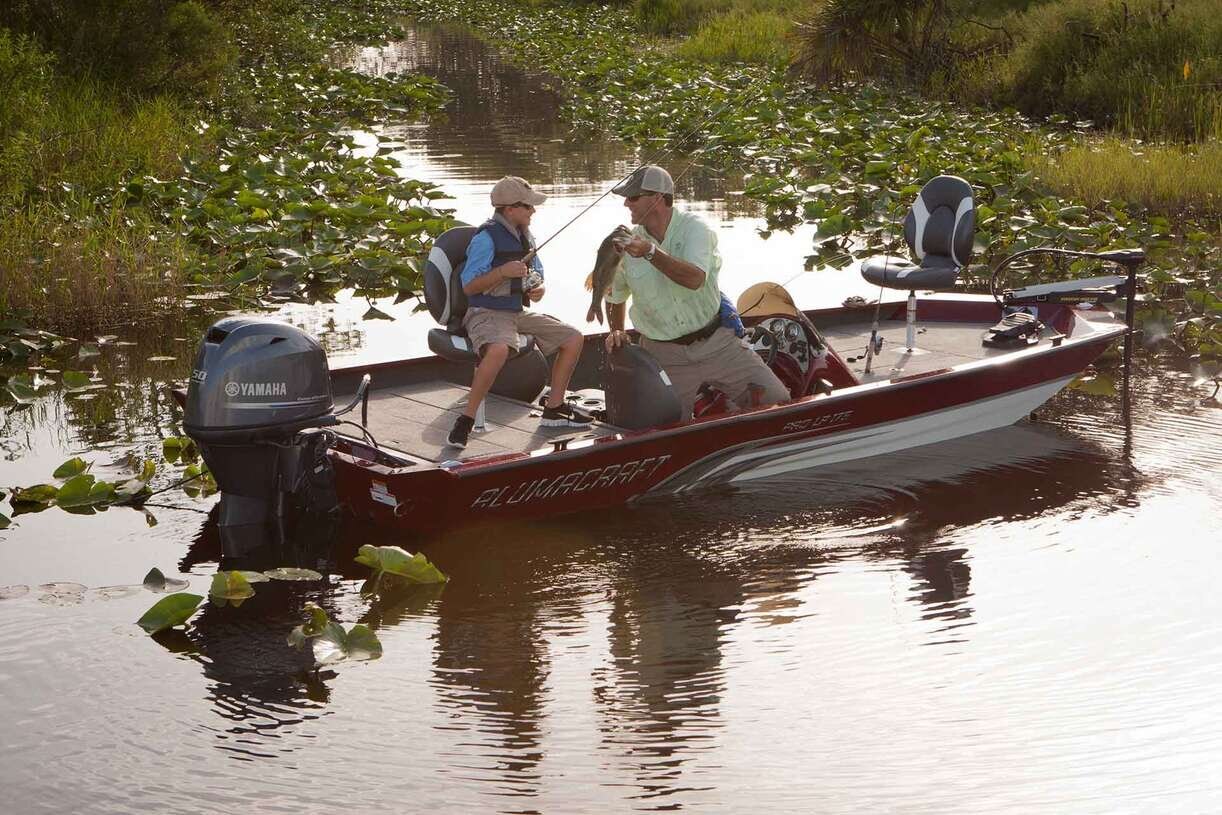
x: 637, y: 606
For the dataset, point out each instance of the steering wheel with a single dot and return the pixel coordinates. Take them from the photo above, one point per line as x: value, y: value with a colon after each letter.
x: 763, y: 342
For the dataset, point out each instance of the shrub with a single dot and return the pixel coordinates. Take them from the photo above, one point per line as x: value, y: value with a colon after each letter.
x: 1145, y: 66
x: 143, y: 45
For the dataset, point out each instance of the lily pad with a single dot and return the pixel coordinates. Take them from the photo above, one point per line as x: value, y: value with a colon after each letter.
x: 397, y: 561
x: 75, y: 380
x: 158, y: 582
x: 169, y: 612
x: 1095, y: 384
x: 71, y: 468
x: 13, y: 592
x: 230, y: 587
x: 292, y: 573
x: 5, y: 521
x: 332, y: 643
x: 254, y: 577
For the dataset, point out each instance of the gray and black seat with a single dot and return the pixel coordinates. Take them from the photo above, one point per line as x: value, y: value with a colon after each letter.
x: 939, y: 229
x: 526, y: 371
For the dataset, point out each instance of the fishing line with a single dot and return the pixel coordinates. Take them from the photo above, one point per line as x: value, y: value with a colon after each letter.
x: 670, y: 148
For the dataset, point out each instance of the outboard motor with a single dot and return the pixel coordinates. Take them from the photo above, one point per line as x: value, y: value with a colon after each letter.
x: 259, y: 394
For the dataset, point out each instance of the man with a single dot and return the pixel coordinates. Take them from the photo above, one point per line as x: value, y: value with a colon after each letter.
x: 495, y: 280
x: 671, y: 275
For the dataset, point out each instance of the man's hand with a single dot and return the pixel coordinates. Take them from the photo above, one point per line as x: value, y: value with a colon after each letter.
x: 637, y: 247
x: 514, y: 268
x: 616, y: 338
x: 535, y: 294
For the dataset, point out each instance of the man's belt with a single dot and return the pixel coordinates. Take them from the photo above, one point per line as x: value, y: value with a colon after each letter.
x: 700, y: 333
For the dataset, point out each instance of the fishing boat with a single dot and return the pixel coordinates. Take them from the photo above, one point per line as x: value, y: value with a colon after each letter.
x: 865, y: 380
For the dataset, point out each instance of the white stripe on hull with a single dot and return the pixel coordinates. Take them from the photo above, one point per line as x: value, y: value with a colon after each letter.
x: 926, y: 428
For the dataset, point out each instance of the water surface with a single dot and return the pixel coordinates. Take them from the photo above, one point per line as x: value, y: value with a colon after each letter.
x: 1022, y: 621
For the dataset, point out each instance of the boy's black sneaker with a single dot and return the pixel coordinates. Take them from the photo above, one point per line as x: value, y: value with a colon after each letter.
x: 461, y: 431
x: 565, y: 416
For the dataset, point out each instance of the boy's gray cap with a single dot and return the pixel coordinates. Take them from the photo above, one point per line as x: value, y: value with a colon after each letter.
x: 649, y: 178
x: 514, y: 190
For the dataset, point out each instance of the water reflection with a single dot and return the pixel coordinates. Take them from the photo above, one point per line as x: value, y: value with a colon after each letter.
x: 261, y: 687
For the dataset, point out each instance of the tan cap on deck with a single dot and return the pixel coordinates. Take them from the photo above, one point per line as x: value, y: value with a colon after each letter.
x: 514, y: 190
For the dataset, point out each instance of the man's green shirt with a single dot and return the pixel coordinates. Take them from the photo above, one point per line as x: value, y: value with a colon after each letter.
x: 662, y: 309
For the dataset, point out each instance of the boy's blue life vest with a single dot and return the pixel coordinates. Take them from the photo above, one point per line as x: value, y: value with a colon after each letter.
x: 506, y: 246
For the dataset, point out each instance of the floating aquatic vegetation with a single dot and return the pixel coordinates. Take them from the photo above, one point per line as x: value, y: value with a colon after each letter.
x: 330, y: 642
x: 292, y: 573
x: 169, y: 612
x: 1094, y: 383
x: 158, y: 582
x: 13, y: 592
x: 398, y: 562
x: 230, y: 588
x: 849, y: 159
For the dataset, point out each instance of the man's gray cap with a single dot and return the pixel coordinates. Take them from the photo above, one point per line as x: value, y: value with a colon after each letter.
x: 648, y: 178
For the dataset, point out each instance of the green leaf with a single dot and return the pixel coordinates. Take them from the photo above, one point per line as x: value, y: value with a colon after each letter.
x: 76, y: 492
x: 401, y: 563
x: 71, y: 468
x: 169, y: 612
x: 38, y: 494
x: 363, y: 643
x: 317, y: 624
x: 291, y: 573
x: 21, y: 388
x: 331, y: 642
x: 376, y: 314
x: 1096, y: 384
x: 75, y: 380
x: 230, y: 587
x: 4, y: 521
x: 158, y: 582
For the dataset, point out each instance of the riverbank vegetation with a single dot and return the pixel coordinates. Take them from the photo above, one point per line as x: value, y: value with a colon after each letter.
x: 150, y: 148
x: 847, y: 156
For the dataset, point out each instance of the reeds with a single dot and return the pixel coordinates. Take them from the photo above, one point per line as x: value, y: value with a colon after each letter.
x: 1164, y: 178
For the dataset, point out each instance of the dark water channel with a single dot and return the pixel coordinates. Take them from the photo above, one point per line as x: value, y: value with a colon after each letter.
x: 1021, y: 621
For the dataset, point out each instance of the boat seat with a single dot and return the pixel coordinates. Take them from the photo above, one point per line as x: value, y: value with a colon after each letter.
x: 939, y: 229
x: 526, y: 371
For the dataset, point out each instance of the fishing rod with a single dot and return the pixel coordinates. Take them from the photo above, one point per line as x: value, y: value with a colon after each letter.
x: 670, y: 148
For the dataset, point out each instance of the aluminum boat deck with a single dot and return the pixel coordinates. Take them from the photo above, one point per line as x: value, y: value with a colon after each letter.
x: 415, y: 418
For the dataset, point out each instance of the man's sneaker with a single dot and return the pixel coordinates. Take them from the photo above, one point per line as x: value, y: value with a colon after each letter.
x: 461, y: 431
x: 565, y: 416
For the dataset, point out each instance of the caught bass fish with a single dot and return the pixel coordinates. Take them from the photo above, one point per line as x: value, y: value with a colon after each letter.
x: 609, y: 260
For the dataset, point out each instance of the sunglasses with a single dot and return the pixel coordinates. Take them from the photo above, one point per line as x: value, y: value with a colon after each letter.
x: 639, y: 196
x: 531, y: 207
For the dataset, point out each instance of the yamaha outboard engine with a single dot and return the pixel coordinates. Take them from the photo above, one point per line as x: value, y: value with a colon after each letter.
x: 259, y: 393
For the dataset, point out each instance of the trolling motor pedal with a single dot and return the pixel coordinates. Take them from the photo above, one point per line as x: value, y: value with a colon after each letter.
x: 1017, y: 329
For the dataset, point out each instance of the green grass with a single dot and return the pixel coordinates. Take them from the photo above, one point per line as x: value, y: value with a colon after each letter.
x: 77, y: 267
x: 741, y: 35
x: 1167, y: 178
x: 88, y: 137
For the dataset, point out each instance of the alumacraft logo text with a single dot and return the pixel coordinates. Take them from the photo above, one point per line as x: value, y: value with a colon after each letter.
x: 599, y: 478
x: 256, y: 389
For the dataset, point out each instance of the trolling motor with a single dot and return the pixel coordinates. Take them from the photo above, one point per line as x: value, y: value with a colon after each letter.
x: 257, y: 406
x: 1020, y: 327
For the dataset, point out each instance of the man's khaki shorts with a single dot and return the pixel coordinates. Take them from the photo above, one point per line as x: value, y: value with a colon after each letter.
x: 488, y: 325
